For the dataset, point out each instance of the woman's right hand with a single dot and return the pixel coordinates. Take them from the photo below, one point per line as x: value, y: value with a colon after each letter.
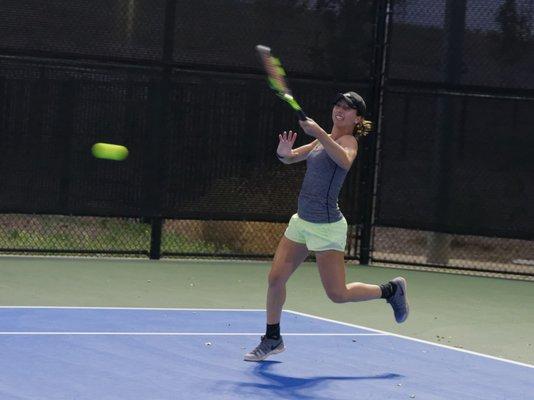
x: 287, y: 140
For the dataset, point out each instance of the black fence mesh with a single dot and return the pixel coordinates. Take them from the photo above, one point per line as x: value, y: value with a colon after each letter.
x: 468, y: 42
x: 131, y: 29
x: 309, y: 36
x: 220, y: 155
x: 178, y: 83
x: 455, y: 172
x: 457, y: 164
x: 50, y: 117
x: 214, y: 160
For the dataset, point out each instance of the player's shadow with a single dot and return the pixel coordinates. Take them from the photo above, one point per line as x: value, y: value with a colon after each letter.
x: 284, y: 386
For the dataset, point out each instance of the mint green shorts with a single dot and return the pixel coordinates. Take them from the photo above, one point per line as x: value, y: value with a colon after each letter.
x: 318, y: 237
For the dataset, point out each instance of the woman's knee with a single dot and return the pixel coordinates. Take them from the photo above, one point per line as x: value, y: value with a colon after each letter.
x: 278, y: 276
x: 337, y: 295
x: 275, y: 279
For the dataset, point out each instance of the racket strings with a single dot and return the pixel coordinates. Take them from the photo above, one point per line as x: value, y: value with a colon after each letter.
x: 276, y: 75
x: 276, y: 78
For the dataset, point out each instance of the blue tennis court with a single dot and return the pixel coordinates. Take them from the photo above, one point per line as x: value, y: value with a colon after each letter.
x: 130, y: 353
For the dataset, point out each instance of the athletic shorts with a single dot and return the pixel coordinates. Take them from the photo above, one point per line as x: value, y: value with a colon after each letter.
x: 318, y: 236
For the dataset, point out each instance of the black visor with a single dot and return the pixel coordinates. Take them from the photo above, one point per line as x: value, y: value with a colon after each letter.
x: 354, y: 100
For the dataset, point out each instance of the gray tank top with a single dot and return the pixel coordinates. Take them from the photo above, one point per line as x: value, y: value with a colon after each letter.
x: 320, y: 189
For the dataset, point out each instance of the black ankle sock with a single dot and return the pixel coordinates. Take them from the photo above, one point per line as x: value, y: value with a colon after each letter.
x: 273, y: 331
x: 388, y: 290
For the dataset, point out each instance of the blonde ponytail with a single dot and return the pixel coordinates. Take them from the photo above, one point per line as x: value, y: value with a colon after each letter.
x: 363, y: 128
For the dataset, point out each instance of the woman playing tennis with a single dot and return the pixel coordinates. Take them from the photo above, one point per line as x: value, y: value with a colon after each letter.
x: 319, y: 225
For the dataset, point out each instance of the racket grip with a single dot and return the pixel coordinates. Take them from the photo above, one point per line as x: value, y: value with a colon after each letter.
x: 301, y: 115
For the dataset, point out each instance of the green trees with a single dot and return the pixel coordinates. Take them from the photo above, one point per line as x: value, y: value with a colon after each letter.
x: 515, y: 26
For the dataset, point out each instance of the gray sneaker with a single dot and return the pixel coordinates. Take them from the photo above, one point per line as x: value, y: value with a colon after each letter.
x: 265, y: 349
x: 399, y: 301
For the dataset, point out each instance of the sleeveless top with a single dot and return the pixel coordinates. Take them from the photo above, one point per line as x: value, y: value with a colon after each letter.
x: 320, y: 189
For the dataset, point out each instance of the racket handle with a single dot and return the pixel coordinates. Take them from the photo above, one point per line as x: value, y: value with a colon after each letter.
x: 301, y: 115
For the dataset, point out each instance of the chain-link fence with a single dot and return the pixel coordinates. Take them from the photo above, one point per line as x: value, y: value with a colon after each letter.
x: 455, y: 173
x: 445, y: 182
x: 57, y: 234
x: 132, y: 237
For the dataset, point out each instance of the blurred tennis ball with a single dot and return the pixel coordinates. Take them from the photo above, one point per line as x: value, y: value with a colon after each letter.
x: 109, y: 151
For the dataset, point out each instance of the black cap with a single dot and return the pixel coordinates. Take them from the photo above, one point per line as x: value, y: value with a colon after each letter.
x: 354, y: 100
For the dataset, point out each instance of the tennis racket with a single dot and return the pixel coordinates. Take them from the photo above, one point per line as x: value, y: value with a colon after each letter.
x: 276, y: 78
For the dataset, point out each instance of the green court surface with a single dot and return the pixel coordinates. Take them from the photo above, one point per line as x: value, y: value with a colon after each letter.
x: 485, y: 315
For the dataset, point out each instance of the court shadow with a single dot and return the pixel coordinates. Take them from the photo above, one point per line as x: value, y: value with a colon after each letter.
x: 284, y: 386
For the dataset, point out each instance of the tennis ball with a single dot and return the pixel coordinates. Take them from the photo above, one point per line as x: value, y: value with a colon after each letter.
x: 109, y: 151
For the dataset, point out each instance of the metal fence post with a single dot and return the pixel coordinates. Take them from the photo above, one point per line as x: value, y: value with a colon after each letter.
x: 161, y: 122
x: 438, y: 243
x: 156, y: 225
x: 371, y: 143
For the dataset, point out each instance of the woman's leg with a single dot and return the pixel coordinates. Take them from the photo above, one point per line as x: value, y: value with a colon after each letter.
x: 289, y: 255
x: 331, y: 264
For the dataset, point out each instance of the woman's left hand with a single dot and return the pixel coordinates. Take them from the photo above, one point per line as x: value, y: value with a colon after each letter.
x: 311, y: 128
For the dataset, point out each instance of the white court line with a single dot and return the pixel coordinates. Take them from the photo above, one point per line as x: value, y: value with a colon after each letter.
x: 187, y: 333
x: 413, y: 339
x: 383, y: 333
